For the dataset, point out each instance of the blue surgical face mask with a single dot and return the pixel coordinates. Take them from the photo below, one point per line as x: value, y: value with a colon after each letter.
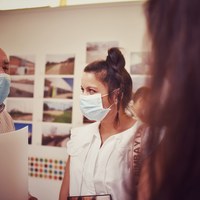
x: 92, y: 108
x: 4, y: 86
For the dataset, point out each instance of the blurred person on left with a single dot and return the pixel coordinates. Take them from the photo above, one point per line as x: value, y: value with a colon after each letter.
x: 6, y: 122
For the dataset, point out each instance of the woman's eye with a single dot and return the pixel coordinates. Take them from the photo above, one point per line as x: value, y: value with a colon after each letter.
x: 92, y: 91
x: 88, y: 91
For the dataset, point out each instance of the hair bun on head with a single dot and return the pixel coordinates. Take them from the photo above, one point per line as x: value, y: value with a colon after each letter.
x: 115, y: 59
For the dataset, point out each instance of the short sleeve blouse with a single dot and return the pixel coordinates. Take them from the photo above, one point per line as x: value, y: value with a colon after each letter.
x: 96, y: 169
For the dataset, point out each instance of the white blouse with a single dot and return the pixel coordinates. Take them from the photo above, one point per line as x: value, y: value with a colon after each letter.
x: 96, y: 169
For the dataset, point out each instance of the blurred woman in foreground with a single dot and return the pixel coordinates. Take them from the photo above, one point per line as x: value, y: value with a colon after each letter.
x: 173, y: 170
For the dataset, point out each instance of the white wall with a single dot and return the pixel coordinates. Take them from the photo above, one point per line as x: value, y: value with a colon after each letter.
x: 67, y: 30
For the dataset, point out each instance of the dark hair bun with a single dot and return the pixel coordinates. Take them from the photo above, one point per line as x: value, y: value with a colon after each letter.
x: 115, y: 59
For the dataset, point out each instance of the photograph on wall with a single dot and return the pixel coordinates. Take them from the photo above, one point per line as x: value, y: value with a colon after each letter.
x: 22, y: 65
x: 98, y: 50
x: 139, y: 81
x: 20, y: 109
x: 61, y: 88
x: 139, y: 63
x: 60, y: 112
x: 59, y: 64
x: 21, y: 87
x: 22, y: 125
x: 55, y: 134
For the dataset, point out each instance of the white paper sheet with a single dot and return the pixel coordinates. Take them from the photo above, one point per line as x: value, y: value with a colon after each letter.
x: 14, y: 165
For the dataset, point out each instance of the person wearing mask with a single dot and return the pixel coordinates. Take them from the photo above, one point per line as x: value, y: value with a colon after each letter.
x: 98, y: 161
x: 6, y: 122
x: 172, y: 171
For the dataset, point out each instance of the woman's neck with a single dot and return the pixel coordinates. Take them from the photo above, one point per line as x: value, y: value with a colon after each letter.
x: 108, y: 126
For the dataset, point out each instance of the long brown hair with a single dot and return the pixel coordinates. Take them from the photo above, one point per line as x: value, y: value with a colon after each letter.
x: 174, y: 105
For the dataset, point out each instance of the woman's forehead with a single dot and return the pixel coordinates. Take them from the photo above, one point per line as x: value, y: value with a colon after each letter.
x: 90, y: 79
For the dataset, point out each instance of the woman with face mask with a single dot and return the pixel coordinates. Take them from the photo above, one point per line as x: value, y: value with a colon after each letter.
x: 6, y: 122
x: 98, y: 161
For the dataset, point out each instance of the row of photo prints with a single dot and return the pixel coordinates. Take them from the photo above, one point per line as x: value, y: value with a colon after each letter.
x: 57, y: 91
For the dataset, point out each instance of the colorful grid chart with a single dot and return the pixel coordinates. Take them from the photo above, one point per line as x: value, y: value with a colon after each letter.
x: 46, y: 168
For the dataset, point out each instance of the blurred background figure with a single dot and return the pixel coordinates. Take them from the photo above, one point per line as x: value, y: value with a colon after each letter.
x: 6, y: 122
x: 173, y: 170
x: 140, y: 98
x: 136, y: 107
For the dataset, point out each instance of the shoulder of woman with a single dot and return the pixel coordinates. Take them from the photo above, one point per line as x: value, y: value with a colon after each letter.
x: 81, y: 137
